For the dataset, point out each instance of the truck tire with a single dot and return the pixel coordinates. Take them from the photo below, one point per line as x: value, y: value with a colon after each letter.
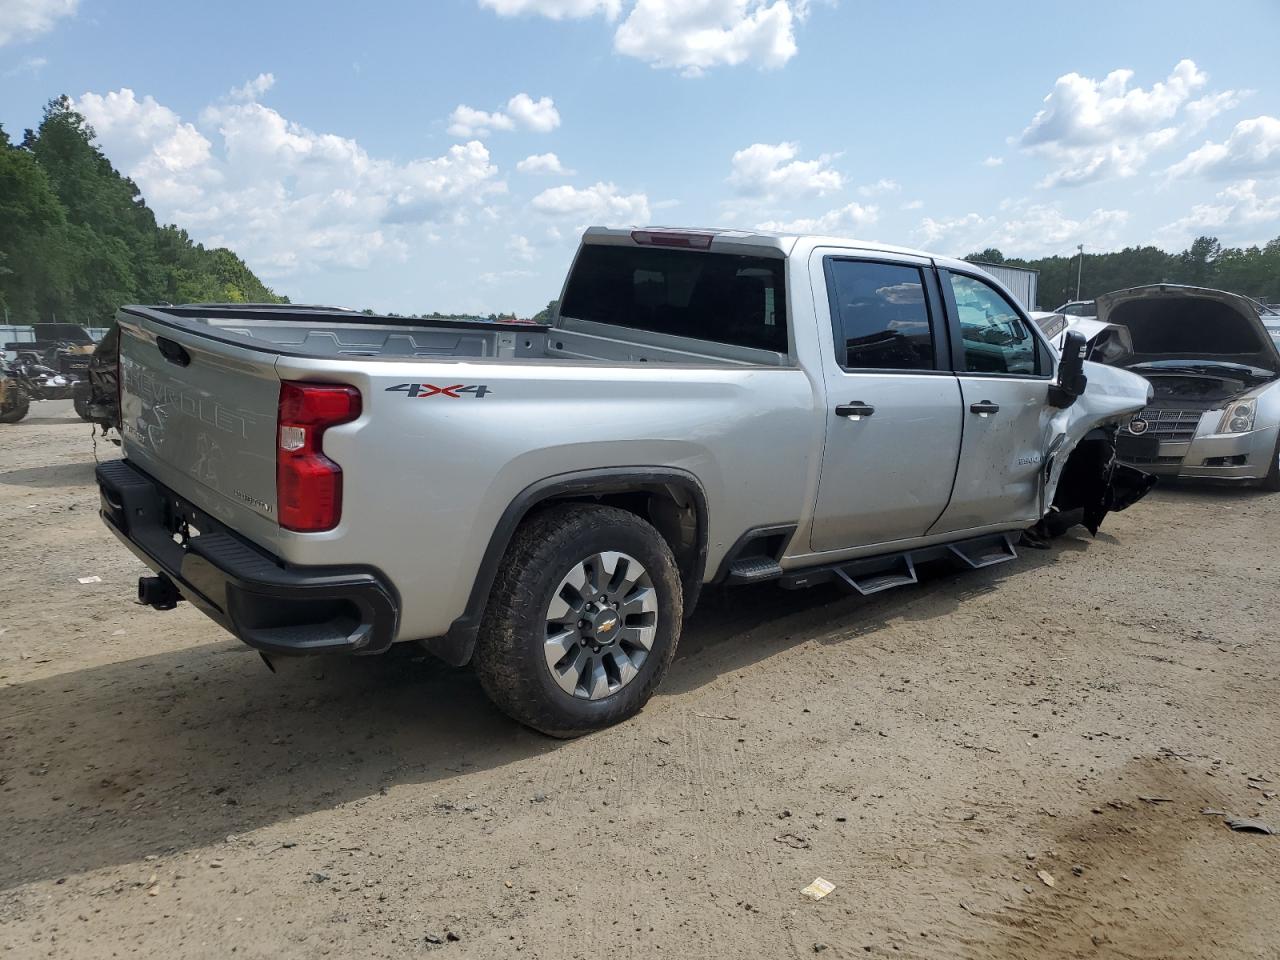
x: 582, y: 621
x: 16, y: 408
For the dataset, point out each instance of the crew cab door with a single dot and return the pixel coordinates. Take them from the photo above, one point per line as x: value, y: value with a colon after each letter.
x: 893, y: 404
x: 1005, y: 372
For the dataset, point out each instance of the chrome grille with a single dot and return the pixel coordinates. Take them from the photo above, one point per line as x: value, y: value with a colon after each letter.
x: 1172, y: 425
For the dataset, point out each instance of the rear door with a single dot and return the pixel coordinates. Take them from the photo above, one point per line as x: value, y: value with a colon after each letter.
x: 1005, y: 372
x: 894, y: 416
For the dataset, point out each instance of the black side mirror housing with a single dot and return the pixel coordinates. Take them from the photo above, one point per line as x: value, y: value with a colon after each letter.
x: 1071, y: 380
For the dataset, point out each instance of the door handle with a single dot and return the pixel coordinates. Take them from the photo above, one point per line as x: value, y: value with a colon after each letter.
x: 173, y: 352
x: 856, y: 410
x: 984, y: 408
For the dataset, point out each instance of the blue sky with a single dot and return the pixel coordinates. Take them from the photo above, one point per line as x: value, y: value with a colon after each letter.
x: 326, y: 144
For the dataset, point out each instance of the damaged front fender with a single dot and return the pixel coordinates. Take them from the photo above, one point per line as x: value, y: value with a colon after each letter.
x: 1084, y: 480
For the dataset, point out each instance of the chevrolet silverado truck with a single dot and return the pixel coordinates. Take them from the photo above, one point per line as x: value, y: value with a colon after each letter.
x: 546, y: 501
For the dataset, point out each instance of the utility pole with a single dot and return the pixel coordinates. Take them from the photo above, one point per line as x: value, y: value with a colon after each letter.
x: 1079, y: 270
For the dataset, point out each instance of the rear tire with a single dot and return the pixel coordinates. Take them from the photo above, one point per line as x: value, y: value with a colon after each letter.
x: 16, y: 409
x: 536, y: 615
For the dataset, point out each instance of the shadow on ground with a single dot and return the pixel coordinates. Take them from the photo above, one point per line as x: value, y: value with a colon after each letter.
x: 177, y: 750
x: 56, y: 475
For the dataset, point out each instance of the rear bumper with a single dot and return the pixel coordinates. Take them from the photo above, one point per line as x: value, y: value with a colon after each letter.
x: 269, y: 604
x: 1237, y: 457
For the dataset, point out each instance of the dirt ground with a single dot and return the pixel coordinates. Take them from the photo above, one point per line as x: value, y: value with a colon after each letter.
x: 929, y: 752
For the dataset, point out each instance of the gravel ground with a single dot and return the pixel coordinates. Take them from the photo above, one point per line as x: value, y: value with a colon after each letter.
x: 939, y: 753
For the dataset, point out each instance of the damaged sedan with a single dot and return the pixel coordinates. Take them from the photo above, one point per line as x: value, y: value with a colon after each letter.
x: 1213, y: 360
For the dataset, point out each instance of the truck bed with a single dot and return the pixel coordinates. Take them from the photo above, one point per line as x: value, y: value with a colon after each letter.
x: 328, y: 332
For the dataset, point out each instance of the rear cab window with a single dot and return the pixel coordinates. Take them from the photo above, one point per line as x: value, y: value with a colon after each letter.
x: 880, y: 315
x: 718, y: 297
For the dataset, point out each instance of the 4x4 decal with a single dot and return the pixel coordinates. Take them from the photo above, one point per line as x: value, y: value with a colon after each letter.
x: 454, y: 391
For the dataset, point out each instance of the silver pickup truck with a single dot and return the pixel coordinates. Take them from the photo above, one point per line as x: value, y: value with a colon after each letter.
x: 548, y: 500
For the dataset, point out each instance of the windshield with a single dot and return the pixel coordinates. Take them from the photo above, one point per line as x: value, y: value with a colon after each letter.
x: 1083, y: 308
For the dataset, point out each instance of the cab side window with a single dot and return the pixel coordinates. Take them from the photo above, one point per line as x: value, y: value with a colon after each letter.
x: 994, y: 337
x: 880, y: 316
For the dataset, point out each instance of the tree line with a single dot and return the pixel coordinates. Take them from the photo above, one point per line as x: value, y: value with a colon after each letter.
x: 1253, y: 271
x: 77, y: 239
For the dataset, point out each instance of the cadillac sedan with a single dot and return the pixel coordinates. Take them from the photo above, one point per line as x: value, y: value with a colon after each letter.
x: 1213, y: 360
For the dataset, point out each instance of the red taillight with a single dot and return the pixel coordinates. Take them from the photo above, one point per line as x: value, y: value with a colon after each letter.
x: 309, y: 484
x: 687, y: 241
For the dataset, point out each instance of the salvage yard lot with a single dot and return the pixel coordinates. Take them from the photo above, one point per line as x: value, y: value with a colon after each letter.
x: 931, y: 752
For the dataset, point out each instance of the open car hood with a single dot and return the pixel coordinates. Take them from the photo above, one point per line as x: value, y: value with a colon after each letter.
x: 1173, y: 322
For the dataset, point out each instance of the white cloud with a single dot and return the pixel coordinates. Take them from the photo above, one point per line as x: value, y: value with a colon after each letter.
x: 22, y: 20
x: 852, y: 217
x: 255, y: 88
x: 1021, y: 230
x: 770, y: 171
x: 695, y: 35
x: 1092, y: 130
x: 167, y: 156
x: 520, y: 248
x: 1239, y: 215
x: 26, y: 65
x: 1253, y: 148
x: 505, y: 276
x: 912, y: 205
x: 1200, y: 112
x: 540, y: 116
x: 469, y: 122
x: 287, y: 198
x: 993, y: 162
x: 543, y: 164
x: 883, y: 185
x: 601, y: 204
x: 555, y: 9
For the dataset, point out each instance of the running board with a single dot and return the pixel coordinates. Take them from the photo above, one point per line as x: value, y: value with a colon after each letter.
x: 985, y: 551
x: 871, y: 575
x: 754, y: 570
x: 875, y: 576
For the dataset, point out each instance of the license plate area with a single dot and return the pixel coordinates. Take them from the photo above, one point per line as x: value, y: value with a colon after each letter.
x: 1137, y: 448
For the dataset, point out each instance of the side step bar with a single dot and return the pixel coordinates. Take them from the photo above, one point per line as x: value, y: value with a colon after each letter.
x: 984, y: 551
x: 899, y: 572
x: 873, y: 574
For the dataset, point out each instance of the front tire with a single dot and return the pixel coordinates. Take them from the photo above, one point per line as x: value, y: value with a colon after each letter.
x: 582, y: 622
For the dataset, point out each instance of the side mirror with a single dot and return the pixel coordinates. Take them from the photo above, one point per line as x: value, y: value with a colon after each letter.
x: 1071, y: 379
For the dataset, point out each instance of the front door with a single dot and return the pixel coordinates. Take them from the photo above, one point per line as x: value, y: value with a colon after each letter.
x: 894, y: 413
x: 1005, y: 374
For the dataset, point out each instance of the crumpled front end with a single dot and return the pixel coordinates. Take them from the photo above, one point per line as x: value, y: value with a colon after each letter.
x: 1085, y: 480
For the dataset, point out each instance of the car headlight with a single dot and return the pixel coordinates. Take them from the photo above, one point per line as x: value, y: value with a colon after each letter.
x: 1238, y: 417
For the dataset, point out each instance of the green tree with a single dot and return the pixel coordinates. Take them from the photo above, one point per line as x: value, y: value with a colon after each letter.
x: 78, y: 240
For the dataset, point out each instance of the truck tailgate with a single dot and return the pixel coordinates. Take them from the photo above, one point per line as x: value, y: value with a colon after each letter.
x: 199, y: 415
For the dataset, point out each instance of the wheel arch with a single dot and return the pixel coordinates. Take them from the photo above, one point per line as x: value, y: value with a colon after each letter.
x: 671, y: 499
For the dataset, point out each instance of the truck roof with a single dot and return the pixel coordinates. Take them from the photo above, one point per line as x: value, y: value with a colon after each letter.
x: 725, y: 239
